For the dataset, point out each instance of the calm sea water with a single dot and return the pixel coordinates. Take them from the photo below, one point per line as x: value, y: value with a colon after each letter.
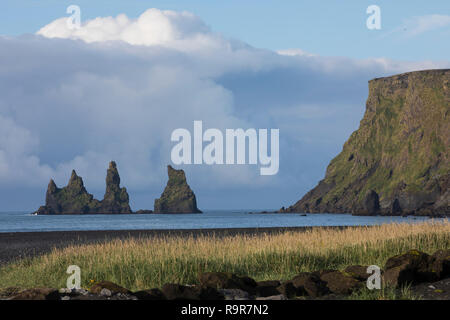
x: 22, y: 222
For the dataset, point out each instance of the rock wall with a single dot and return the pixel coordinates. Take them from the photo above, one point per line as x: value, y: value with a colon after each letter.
x: 397, y: 162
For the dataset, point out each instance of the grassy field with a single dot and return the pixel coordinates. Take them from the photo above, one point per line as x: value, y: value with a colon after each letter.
x: 148, y: 263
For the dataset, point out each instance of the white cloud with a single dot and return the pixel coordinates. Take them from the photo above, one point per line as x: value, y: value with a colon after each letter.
x: 17, y: 154
x: 295, y: 52
x: 181, y: 30
x: 120, y: 92
x: 422, y: 24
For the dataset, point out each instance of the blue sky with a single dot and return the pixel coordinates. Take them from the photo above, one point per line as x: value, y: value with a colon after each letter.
x: 116, y: 88
x: 331, y: 28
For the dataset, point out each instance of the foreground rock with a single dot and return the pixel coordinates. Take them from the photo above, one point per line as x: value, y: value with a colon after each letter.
x: 341, y: 283
x: 439, y: 263
x: 438, y: 290
x: 174, y: 291
x: 397, y: 162
x: 226, y: 280
x: 110, y: 286
x: 37, y: 294
x: 177, y: 196
x: 74, y: 199
x: 310, y: 284
x: 429, y: 275
x: 416, y: 267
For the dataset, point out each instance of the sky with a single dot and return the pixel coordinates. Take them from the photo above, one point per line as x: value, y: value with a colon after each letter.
x: 328, y: 27
x: 136, y: 70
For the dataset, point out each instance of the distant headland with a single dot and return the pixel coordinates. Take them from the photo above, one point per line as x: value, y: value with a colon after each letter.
x: 397, y: 162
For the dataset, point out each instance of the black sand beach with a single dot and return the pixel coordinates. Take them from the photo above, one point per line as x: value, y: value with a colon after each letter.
x: 17, y: 245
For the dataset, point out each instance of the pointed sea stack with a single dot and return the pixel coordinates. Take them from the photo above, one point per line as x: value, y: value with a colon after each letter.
x: 177, y: 196
x: 71, y: 199
x: 116, y: 199
x: 74, y: 199
x: 397, y: 162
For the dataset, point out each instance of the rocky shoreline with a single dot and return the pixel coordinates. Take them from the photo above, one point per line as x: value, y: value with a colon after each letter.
x: 429, y: 275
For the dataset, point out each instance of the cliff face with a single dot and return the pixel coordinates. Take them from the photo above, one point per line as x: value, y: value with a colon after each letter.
x: 397, y: 162
x: 177, y: 196
x: 74, y: 199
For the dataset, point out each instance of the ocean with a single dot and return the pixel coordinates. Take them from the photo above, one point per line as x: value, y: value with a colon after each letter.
x: 25, y: 222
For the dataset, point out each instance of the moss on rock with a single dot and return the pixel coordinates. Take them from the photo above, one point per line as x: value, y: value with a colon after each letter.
x: 177, y: 196
x: 400, y: 153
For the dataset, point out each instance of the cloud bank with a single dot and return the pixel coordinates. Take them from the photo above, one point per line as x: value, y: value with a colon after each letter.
x: 117, y: 88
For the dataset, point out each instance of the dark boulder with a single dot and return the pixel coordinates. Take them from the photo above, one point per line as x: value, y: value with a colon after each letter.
x: 174, y: 291
x: 341, y: 283
x: 37, y: 294
x: 287, y: 289
x: 151, y: 294
x: 440, y: 264
x: 411, y: 267
x: 226, y: 280
x: 114, y: 288
x: 310, y: 284
x: 268, y: 283
x: 358, y: 272
x: 208, y: 293
x: 9, y: 292
x: 177, y: 196
x: 267, y: 288
x: 234, y: 294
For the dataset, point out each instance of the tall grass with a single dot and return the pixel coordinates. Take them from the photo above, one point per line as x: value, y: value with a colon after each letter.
x: 151, y: 262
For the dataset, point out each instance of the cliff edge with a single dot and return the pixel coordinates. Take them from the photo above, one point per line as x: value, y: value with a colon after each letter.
x: 397, y: 162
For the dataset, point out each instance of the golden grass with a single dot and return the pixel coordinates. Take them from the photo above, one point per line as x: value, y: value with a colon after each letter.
x: 151, y: 262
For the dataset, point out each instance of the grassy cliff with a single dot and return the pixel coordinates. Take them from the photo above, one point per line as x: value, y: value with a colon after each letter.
x: 397, y: 162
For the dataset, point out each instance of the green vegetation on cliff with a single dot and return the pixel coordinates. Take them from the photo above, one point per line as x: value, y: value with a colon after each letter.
x: 397, y: 162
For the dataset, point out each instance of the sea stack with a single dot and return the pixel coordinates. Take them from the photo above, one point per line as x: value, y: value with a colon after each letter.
x: 74, y: 199
x: 71, y: 199
x: 116, y: 199
x: 397, y: 162
x: 177, y: 196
